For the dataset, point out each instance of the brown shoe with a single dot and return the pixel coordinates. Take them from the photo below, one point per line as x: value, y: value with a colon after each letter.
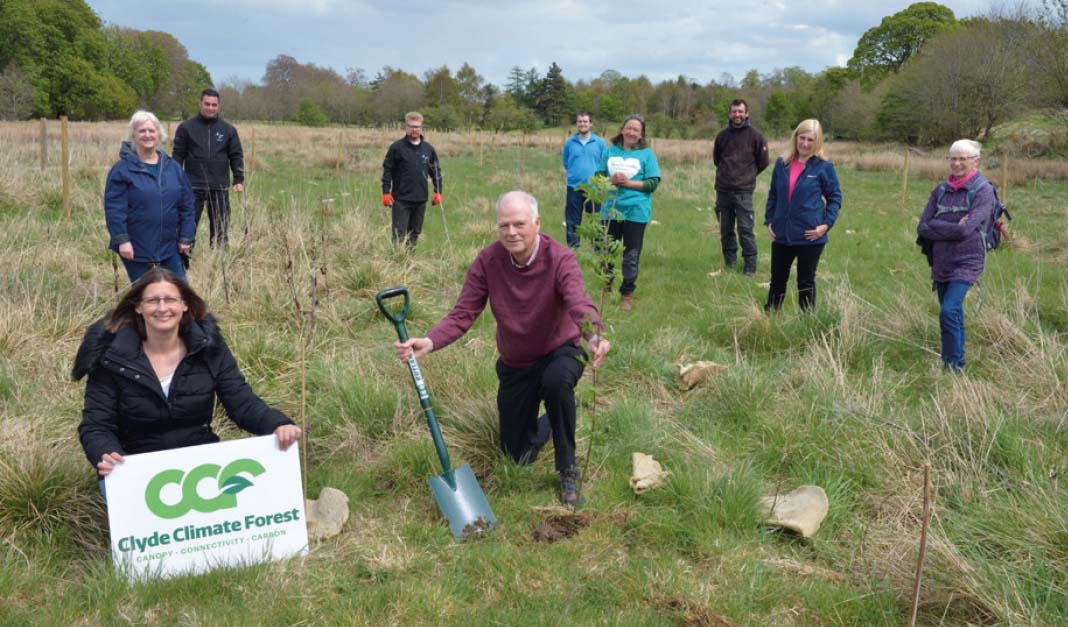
x: 626, y: 302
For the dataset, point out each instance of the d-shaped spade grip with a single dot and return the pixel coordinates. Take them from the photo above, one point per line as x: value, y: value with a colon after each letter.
x: 397, y: 319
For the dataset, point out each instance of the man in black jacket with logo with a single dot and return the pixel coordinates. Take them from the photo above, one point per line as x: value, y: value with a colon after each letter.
x: 740, y: 153
x: 208, y: 148
x: 408, y: 163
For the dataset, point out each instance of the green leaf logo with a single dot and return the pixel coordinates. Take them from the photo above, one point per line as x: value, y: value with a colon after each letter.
x: 235, y: 484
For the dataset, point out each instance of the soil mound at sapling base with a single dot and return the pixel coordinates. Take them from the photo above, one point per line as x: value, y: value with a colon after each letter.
x: 560, y: 527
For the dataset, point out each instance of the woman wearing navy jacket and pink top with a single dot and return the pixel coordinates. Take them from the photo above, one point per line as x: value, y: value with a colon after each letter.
x: 803, y: 203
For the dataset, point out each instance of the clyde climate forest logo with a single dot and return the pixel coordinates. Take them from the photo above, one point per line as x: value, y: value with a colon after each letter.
x: 228, y: 479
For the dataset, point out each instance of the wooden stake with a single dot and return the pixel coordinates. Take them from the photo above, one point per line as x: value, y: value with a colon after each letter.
x: 251, y: 153
x: 66, y: 169
x: 923, y: 543
x: 1004, y: 191
x: 479, y: 149
x: 44, y: 143
x: 905, y: 179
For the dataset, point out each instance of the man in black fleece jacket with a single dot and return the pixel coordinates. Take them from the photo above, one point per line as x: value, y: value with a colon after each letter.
x: 408, y: 163
x: 209, y: 148
x: 740, y: 153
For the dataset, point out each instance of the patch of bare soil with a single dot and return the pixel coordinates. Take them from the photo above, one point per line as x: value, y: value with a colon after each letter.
x: 476, y: 528
x: 560, y: 527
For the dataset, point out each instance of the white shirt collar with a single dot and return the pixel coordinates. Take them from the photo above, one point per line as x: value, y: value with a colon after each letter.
x: 533, y: 255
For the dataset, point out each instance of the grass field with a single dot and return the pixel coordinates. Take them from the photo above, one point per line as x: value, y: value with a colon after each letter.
x: 851, y: 398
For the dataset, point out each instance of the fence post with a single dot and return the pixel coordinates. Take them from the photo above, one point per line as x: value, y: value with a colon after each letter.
x: 337, y: 164
x: 905, y: 179
x: 493, y: 157
x: 66, y: 169
x: 44, y: 143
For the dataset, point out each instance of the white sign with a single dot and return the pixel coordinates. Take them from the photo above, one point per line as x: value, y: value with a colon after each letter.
x: 193, y: 509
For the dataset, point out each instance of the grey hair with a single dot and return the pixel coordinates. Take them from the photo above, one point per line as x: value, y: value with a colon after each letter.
x: 532, y: 202
x: 139, y: 118
x: 965, y: 148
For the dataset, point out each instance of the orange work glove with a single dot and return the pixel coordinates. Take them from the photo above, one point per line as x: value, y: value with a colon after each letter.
x: 436, y: 199
x: 387, y: 200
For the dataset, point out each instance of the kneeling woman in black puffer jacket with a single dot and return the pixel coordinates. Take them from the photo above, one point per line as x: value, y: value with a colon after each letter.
x: 155, y: 366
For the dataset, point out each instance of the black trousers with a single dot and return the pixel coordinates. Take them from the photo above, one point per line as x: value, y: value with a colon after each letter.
x: 521, y: 392
x: 218, y: 202
x: 408, y: 220
x: 633, y: 236
x: 782, y: 257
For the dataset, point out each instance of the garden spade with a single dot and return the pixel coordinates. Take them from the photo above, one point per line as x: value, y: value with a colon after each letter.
x: 457, y: 491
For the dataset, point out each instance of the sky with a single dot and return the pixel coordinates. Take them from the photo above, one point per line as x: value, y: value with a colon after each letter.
x: 699, y: 39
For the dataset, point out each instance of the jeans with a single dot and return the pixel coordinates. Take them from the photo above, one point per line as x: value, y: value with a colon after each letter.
x: 218, y: 202
x: 951, y: 321
x: 782, y: 257
x: 632, y: 234
x: 521, y: 390
x: 736, y: 208
x: 577, y: 204
x: 134, y: 269
x: 408, y: 221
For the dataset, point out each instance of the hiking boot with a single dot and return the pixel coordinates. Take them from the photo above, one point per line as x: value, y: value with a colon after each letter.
x: 626, y: 302
x: 729, y: 262
x: 570, y: 480
x: 750, y: 267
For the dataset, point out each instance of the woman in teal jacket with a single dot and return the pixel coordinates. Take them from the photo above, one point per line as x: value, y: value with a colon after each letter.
x: 803, y: 203
x: 148, y: 202
x: 633, y: 170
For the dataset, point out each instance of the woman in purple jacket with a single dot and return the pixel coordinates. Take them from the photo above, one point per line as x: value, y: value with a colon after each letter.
x: 953, y: 222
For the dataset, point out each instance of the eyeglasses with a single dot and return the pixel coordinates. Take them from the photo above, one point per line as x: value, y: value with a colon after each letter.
x: 156, y: 301
x: 961, y: 159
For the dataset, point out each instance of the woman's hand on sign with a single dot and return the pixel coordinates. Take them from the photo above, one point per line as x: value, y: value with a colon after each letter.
x: 108, y: 463
x: 287, y: 434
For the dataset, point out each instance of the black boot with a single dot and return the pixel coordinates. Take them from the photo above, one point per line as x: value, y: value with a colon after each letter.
x: 570, y: 483
x: 750, y: 266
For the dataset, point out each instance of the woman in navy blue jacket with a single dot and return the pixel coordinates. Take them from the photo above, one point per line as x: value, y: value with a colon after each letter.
x: 148, y: 202
x: 803, y: 203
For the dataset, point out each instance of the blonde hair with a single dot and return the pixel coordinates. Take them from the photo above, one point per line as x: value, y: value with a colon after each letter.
x: 139, y: 118
x: 413, y: 116
x: 806, y: 126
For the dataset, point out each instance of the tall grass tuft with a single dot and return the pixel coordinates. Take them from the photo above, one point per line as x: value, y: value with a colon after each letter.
x: 45, y: 493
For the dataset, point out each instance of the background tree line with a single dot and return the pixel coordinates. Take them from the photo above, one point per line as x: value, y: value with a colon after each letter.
x: 57, y: 58
x: 920, y: 76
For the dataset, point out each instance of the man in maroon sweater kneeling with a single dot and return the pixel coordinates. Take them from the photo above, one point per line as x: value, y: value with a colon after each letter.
x: 536, y: 292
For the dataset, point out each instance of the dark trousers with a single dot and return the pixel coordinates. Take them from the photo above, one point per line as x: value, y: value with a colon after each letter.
x: 951, y: 321
x: 577, y: 204
x: 521, y: 391
x: 736, y: 209
x: 782, y: 257
x: 134, y: 269
x: 408, y: 220
x: 218, y: 202
x: 633, y: 235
